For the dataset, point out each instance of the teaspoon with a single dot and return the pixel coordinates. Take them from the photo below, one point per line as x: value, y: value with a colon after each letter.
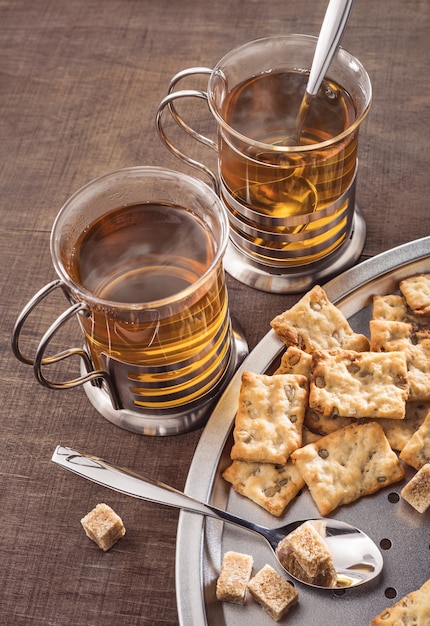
x: 357, y: 559
x: 333, y: 26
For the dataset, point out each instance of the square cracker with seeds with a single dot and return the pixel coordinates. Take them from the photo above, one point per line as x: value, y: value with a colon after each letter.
x: 314, y: 323
x: 398, y: 432
x: 416, y: 452
x: 394, y: 308
x: 270, y: 486
x: 350, y: 463
x: 269, y: 419
x: 359, y: 384
x: 386, y: 336
x: 412, y: 609
x: 416, y: 291
x: 295, y: 361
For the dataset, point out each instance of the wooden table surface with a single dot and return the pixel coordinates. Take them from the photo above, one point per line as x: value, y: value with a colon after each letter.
x: 80, y: 81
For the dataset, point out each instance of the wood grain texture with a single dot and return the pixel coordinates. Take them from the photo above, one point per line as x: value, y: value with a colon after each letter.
x: 79, y: 85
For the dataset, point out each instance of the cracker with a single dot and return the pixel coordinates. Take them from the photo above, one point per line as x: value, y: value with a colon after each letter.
x: 235, y: 574
x: 416, y: 290
x: 398, y: 432
x: 269, y: 420
x: 103, y: 526
x: 411, y: 610
x: 275, y: 594
x: 415, y: 343
x: 359, y: 384
x: 326, y: 424
x: 350, y: 463
x: 314, y: 323
x: 295, y: 361
x: 417, y: 491
x: 270, y: 486
x: 416, y: 452
x: 306, y: 556
x: 393, y: 308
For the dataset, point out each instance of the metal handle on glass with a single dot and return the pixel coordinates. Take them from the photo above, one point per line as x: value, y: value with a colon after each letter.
x: 91, y: 375
x: 168, y: 102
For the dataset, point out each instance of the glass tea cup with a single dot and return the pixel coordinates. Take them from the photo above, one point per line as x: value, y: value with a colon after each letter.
x: 290, y: 201
x: 139, y: 255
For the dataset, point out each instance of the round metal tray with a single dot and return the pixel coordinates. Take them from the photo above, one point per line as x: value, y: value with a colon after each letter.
x: 392, y: 523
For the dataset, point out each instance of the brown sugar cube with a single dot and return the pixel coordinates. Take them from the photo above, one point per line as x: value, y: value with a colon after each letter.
x: 103, y: 526
x: 417, y: 491
x: 305, y: 554
x: 236, y: 570
x: 275, y: 594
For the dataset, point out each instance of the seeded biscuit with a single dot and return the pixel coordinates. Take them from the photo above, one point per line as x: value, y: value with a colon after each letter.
x: 411, y: 610
x: 269, y: 420
x: 415, y: 343
x: 416, y: 290
x: 270, y: 486
x: 394, y: 308
x: 326, y: 424
x: 359, y: 384
x: 391, y: 307
x: 398, y: 432
x: 295, y: 361
x: 350, y: 463
x: 416, y: 452
x: 314, y: 323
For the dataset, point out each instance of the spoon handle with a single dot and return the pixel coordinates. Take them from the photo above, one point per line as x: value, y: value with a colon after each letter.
x: 132, y: 484
x: 334, y: 23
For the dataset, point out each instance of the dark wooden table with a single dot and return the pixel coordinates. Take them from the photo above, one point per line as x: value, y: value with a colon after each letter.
x: 80, y: 81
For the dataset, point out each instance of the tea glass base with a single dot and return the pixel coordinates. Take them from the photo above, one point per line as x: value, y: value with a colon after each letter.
x: 174, y: 422
x: 299, y: 278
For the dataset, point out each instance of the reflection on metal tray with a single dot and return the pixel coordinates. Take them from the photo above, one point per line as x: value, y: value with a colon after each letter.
x: 402, y: 532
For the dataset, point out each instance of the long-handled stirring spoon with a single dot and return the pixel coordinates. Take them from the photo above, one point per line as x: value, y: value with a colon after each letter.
x: 334, y: 23
x: 357, y: 559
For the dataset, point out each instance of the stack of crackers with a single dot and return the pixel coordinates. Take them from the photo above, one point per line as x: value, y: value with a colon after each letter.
x: 342, y: 412
x: 341, y: 415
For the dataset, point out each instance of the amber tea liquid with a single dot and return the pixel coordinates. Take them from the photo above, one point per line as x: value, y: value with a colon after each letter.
x: 281, y: 184
x: 145, y: 256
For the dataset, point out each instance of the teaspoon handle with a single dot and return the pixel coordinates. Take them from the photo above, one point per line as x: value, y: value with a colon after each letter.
x: 334, y: 23
x: 132, y: 484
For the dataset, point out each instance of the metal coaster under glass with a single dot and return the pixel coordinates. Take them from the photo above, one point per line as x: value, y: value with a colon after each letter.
x: 172, y: 421
x: 297, y: 279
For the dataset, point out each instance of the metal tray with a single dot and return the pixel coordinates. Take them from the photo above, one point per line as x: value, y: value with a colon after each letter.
x: 403, y: 533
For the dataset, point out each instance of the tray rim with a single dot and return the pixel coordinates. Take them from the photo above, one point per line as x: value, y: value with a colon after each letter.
x: 200, y: 480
